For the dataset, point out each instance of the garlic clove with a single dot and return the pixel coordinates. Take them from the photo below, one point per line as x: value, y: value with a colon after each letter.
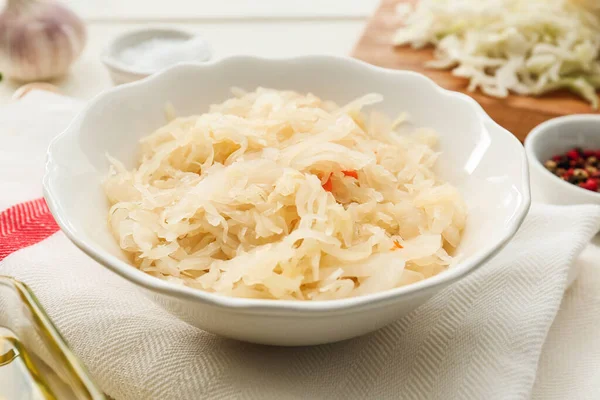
x: 39, y: 40
x: 26, y: 89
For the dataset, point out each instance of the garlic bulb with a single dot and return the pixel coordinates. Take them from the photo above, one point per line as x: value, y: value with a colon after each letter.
x: 39, y: 39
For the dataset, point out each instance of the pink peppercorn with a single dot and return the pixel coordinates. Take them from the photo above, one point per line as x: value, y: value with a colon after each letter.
x: 590, y: 184
x: 573, y: 154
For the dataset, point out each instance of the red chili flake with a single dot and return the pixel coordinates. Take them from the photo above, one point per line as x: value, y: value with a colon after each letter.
x: 328, y: 185
x: 589, y: 153
x: 569, y: 173
x: 352, y: 174
x: 590, y: 184
x: 397, y: 245
x: 573, y: 154
x: 557, y: 158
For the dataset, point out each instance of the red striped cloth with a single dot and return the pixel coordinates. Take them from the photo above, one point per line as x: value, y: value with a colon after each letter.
x: 25, y: 224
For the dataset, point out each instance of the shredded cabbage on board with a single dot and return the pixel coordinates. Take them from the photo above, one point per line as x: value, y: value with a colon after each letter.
x: 277, y: 195
x: 528, y: 47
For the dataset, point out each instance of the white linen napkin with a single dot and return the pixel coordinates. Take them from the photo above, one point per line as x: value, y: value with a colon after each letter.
x: 569, y: 367
x: 480, y: 338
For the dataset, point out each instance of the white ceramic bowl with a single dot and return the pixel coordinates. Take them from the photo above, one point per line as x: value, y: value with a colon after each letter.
x: 120, y: 71
x: 557, y: 136
x: 482, y: 159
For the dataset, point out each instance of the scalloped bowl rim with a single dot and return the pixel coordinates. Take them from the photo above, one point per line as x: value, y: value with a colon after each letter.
x: 262, y: 306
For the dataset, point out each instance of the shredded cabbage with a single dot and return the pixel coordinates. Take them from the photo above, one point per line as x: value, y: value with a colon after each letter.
x: 278, y: 195
x: 528, y: 47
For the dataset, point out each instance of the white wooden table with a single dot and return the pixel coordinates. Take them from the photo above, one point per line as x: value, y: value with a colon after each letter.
x: 270, y: 28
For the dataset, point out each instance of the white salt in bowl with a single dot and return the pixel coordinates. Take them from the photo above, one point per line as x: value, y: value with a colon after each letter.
x: 484, y: 161
x: 122, y: 71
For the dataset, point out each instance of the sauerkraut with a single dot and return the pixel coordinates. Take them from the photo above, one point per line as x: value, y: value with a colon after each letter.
x: 528, y: 47
x: 279, y: 195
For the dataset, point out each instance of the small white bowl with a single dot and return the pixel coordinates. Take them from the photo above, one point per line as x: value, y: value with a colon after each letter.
x: 558, y: 136
x: 483, y: 160
x: 120, y: 71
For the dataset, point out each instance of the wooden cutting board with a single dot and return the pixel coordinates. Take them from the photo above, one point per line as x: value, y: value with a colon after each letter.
x: 518, y: 114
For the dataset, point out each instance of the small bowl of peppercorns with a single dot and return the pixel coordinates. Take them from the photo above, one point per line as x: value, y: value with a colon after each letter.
x: 564, y: 159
